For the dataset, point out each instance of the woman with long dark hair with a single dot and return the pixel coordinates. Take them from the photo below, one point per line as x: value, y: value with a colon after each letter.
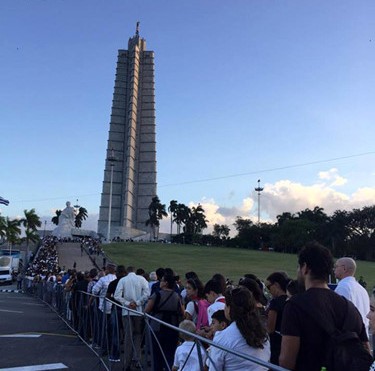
x: 246, y: 334
x: 276, y: 284
x: 255, y: 286
x: 196, y: 308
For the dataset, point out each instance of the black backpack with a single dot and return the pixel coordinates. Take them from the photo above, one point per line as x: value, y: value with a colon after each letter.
x: 345, y: 350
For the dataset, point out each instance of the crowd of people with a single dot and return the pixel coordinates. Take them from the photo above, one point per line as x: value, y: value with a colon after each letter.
x: 280, y: 320
x: 92, y: 245
x: 46, y: 262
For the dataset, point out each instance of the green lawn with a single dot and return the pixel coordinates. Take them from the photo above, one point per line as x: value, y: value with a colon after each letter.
x: 206, y: 261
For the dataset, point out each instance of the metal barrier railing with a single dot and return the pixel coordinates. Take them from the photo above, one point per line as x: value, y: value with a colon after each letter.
x: 124, y: 341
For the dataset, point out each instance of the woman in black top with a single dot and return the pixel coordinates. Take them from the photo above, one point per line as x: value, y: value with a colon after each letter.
x: 276, y: 284
x: 166, y: 306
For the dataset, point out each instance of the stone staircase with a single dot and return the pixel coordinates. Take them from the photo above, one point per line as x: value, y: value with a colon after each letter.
x: 70, y: 253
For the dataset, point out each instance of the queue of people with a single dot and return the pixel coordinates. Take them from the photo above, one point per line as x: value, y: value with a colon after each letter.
x: 274, y: 321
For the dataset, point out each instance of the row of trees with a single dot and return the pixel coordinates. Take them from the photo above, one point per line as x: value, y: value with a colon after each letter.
x: 350, y: 233
x: 190, y: 221
x: 346, y: 233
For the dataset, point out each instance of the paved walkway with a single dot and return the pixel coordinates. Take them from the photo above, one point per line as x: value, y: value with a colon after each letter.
x: 70, y: 253
x: 32, y: 337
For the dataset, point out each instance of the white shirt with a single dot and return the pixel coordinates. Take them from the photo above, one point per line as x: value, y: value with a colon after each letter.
x: 231, y: 338
x: 349, y: 288
x: 183, y: 294
x: 190, y: 308
x: 182, y: 354
x: 214, y: 307
x: 100, y: 289
x: 132, y: 288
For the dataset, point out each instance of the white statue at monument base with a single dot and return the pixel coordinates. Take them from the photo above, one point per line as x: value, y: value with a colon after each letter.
x: 66, y: 222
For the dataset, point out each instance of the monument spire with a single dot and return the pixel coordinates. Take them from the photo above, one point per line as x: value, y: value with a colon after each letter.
x: 129, y: 183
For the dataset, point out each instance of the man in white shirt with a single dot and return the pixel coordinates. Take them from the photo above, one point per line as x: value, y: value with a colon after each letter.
x: 105, y: 306
x: 132, y: 292
x: 349, y: 288
x: 101, y: 287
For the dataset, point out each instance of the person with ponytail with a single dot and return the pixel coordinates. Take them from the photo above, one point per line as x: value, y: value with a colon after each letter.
x: 246, y: 334
x: 196, y: 308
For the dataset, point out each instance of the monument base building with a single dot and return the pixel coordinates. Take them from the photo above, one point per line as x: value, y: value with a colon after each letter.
x: 130, y: 169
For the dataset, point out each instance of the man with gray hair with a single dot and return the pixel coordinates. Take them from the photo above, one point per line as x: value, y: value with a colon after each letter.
x: 349, y: 288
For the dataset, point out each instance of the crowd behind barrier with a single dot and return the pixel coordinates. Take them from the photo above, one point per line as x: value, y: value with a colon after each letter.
x: 103, y: 328
x: 105, y: 336
x: 134, y: 320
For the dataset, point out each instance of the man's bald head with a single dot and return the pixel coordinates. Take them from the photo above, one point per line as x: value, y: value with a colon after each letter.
x: 345, y: 267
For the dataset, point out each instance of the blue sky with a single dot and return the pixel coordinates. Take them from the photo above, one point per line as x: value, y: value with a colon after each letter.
x: 242, y: 87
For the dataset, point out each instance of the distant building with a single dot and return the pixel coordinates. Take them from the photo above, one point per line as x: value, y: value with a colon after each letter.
x: 131, y: 149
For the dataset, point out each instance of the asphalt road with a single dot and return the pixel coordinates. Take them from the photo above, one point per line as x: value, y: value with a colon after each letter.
x: 33, y: 337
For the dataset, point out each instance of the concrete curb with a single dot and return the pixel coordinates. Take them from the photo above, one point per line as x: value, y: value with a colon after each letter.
x: 12, y: 290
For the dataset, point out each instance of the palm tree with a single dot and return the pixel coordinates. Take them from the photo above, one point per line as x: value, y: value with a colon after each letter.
x: 30, y: 236
x: 55, y: 219
x: 198, y: 218
x: 172, y: 208
x: 2, y: 227
x: 156, y: 212
x: 12, y: 231
x: 31, y: 222
x: 221, y: 231
x: 81, y: 215
x: 182, y: 215
x: 225, y: 231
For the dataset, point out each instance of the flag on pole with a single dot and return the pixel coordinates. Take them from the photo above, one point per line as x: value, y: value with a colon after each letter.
x: 4, y: 201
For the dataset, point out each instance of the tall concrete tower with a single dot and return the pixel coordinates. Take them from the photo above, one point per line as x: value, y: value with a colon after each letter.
x: 130, y: 168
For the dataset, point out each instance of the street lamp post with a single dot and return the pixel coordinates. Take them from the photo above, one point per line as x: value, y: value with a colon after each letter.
x: 112, y: 159
x: 259, y: 189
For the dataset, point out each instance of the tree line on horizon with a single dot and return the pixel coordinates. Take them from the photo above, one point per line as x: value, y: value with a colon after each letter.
x: 345, y: 233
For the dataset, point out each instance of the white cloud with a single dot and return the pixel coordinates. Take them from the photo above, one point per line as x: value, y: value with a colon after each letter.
x: 217, y: 214
x: 247, y: 205
x: 363, y: 197
x: 91, y: 223
x: 333, y: 176
x: 326, y: 175
x: 283, y: 196
x: 286, y: 195
x: 211, y: 212
x: 339, y: 181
